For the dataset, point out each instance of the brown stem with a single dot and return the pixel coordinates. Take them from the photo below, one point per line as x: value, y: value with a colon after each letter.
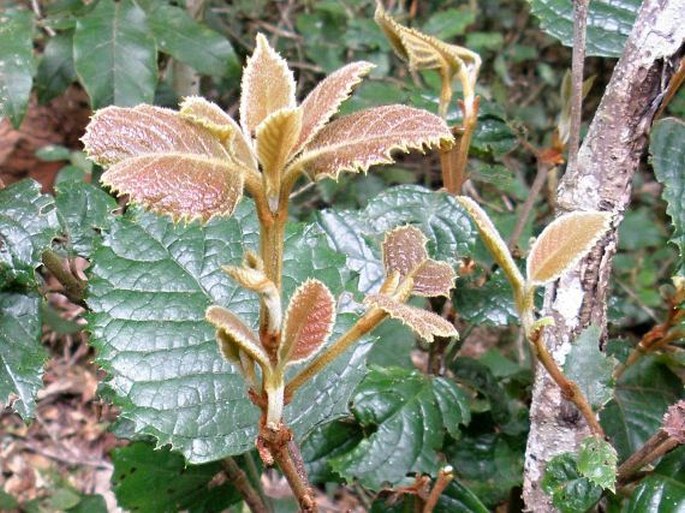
x: 74, y: 288
x: 242, y: 483
x: 445, y: 476
x: 540, y: 177
x: 569, y: 389
x: 658, y: 445
x: 580, y: 8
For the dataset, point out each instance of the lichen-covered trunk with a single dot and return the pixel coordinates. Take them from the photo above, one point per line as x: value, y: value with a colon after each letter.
x: 601, y: 180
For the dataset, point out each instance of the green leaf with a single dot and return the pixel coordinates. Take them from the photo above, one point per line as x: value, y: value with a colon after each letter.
x: 21, y: 353
x: 28, y: 223
x: 150, y: 284
x: 56, y: 69
x: 63, y: 499
x: 597, y: 461
x: 667, y: 147
x: 641, y: 398
x: 608, y: 25
x: 663, y: 491
x: 323, y: 444
x: 115, y: 56
x: 86, y: 210
x: 159, y: 481
x: 492, y: 136
x: 191, y: 42
x: 459, y: 499
x: 16, y: 59
x: 570, y: 492
x: 409, y: 414
x: 491, y: 303
x: 90, y: 504
x: 478, y: 376
x: 447, y: 23
x: 590, y: 368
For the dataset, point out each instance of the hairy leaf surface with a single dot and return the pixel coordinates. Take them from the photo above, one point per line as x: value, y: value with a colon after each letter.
x: 16, y: 72
x: 234, y: 335
x: 404, y: 249
x: 275, y: 140
x: 434, y: 279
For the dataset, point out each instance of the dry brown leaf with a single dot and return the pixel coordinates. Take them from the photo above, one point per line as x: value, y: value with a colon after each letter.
x: 308, y: 322
x: 434, y: 279
x: 235, y: 333
x: 425, y: 324
x: 325, y: 99
x: 563, y: 243
x: 404, y: 249
x: 360, y: 140
x: 267, y: 86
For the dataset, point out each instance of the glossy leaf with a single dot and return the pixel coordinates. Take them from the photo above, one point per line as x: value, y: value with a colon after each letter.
x: 597, y: 461
x: 663, y: 491
x: 570, y: 492
x: 667, y: 148
x: 404, y: 249
x: 308, y: 322
x: 457, y: 498
x: 325, y: 443
x: 563, y: 243
x: 165, y: 162
x: 325, y: 99
x: 114, y: 55
x: 425, y: 324
x: 158, y: 481
x: 590, y: 368
x: 492, y: 303
x: 408, y: 414
x: 56, y: 69
x: 188, y: 41
x: 608, y: 26
x: 16, y: 72
x: 267, y: 86
x: 357, y: 141
x: 28, y: 224
x: 21, y: 354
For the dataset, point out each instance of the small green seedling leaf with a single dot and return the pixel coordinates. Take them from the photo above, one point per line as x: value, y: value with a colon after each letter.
x: 308, y: 322
x: 570, y: 491
x: 597, y: 462
x: 563, y: 243
x: 16, y: 73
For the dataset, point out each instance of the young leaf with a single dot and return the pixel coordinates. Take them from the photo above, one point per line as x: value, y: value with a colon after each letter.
x: 235, y: 333
x: 570, y: 491
x: 166, y: 163
x: 597, y: 462
x: 425, y: 324
x: 325, y: 99
x: 404, y: 249
x: 16, y: 73
x: 267, y: 86
x: 308, y: 322
x: 434, y: 279
x: 493, y: 241
x: 358, y: 141
x: 563, y: 243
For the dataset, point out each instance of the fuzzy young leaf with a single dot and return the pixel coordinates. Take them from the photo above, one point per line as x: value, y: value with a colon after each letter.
x: 275, y: 138
x: 267, y: 86
x: 563, y: 243
x: 434, y: 279
x: 165, y: 162
x: 425, y: 324
x: 357, y: 141
x: 404, y: 249
x: 308, y: 322
x: 16, y: 72
x: 325, y: 99
x: 597, y: 462
x: 234, y: 334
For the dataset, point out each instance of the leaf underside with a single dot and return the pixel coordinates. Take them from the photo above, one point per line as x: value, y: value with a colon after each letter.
x: 235, y: 334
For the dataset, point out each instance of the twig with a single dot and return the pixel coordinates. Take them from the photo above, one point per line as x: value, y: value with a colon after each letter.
x: 580, y: 9
x: 255, y: 478
x: 543, y: 169
x: 242, y: 483
x: 73, y: 287
x: 445, y: 476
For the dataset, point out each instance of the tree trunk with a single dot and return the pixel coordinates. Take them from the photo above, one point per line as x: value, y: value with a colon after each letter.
x: 607, y: 161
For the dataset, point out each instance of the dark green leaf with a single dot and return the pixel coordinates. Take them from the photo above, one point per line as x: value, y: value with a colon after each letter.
x: 667, y: 147
x: 53, y: 153
x: 590, y: 368
x: 570, y: 492
x: 641, y: 397
x: 597, y: 461
x: 28, y: 223
x: 56, y: 69
x: 663, y: 491
x: 491, y: 303
x: 16, y: 63
x: 7, y: 502
x: 90, y: 504
x: 63, y: 499
x: 324, y: 443
x: 459, y: 499
x: 115, y: 56
x: 21, y: 353
x: 608, y: 26
x: 393, y: 346
x: 159, y: 481
x: 474, y: 374
x: 86, y: 210
x: 492, y: 135
x: 409, y: 413
x: 191, y: 42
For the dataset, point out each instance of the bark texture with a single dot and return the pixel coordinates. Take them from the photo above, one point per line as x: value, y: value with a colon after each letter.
x: 601, y: 180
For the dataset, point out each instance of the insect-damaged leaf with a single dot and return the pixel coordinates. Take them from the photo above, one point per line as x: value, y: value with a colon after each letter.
x: 235, y: 333
x: 165, y: 162
x: 276, y: 136
x: 404, y: 249
x: 267, y: 86
x: 308, y: 321
x: 360, y: 140
x: 562, y: 243
x: 425, y: 324
x: 325, y: 99
x: 434, y: 279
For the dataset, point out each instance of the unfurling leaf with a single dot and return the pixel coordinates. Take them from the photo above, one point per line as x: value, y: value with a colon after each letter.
x: 235, y: 334
x: 168, y: 164
x: 325, y: 99
x: 308, y: 322
x: 597, y: 462
x: 404, y: 249
x: 493, y: 241
x: 563, y: 243
x: 434, y: 278
x: 267, y: 86
x: 425, y: 324
x: 360, y: 140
